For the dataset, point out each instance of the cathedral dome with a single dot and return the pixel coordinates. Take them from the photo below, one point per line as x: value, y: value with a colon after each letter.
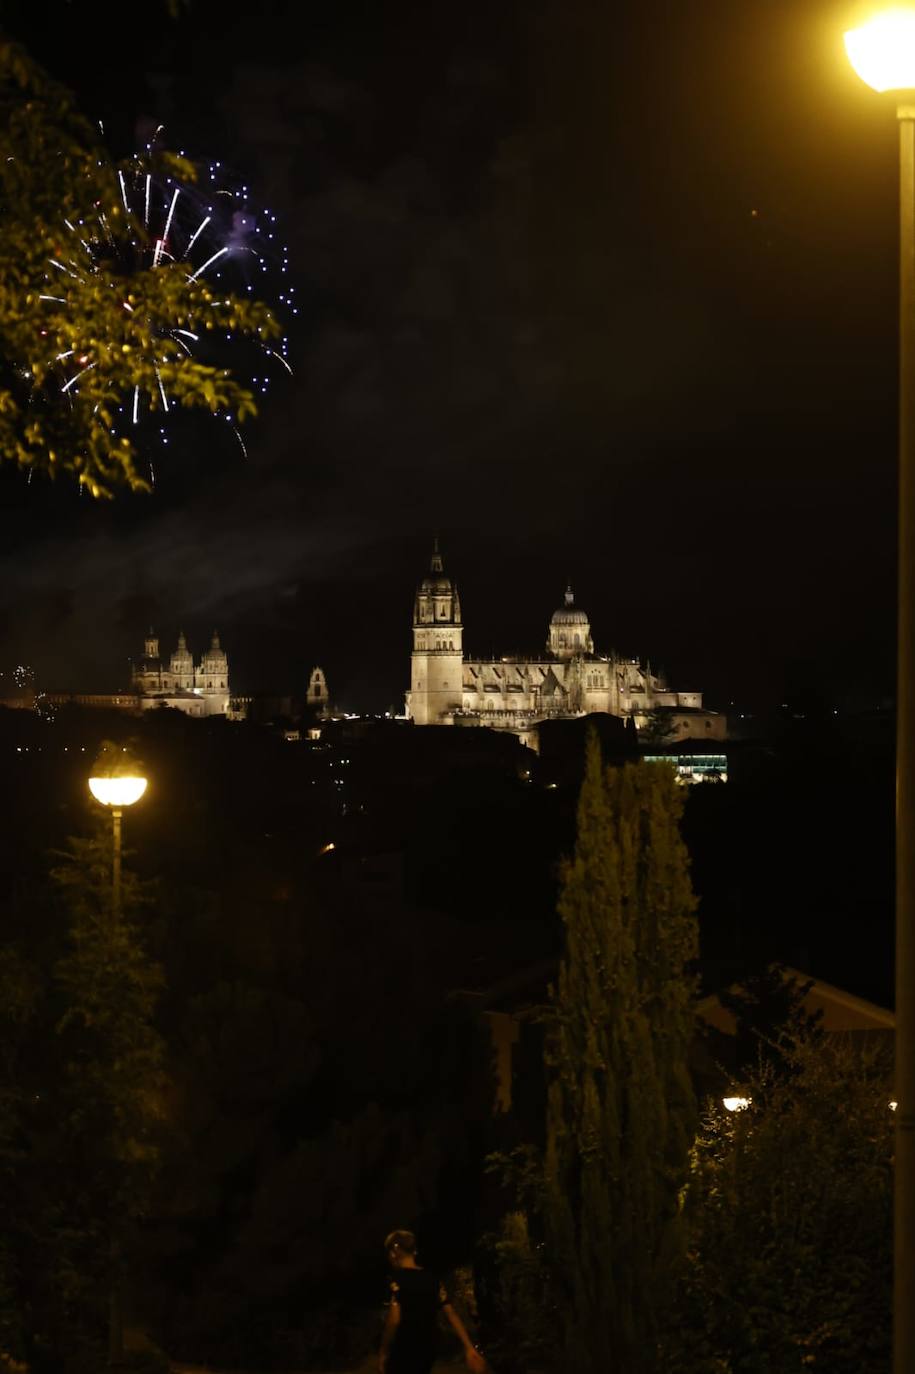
x: 570, y: 631
x: 569, y: 614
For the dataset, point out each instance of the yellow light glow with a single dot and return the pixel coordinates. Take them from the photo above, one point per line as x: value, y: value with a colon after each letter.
x: 117, y: 791
x: 736, y: 1104
x: 882, y: 51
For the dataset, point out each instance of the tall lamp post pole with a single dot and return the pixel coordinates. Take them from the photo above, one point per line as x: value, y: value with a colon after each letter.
x: 116, y: 814
x: 883, y: 55
x: 117, y: 793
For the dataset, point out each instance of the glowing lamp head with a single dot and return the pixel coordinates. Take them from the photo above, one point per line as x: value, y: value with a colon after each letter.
x: 735, y: 1104
x: 882, y: 51
x: 117, y: 791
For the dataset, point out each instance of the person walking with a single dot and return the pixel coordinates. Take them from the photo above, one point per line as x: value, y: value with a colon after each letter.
x: 410, y: 1340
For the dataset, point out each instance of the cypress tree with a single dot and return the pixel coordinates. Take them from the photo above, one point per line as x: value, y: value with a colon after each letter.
x: 620, y: 1107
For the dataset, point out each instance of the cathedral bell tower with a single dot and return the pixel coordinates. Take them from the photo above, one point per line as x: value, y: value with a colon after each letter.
x: 436, y: 680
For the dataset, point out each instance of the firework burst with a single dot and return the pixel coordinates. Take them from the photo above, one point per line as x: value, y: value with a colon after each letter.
x: 166, y: 294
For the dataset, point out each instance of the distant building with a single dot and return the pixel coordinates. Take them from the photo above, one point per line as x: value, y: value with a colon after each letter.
x: 569, y: 680
x: 318, y: 698
x: 200, y: 689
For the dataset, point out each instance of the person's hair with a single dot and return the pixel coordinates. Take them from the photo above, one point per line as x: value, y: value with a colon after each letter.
x: 401, y: 1240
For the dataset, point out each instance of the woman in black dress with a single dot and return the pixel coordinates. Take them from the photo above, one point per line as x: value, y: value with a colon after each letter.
x: 409, y: 1343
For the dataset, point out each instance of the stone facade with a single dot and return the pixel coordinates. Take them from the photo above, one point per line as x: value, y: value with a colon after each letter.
x: 516, y: 694
x: 200, y: 689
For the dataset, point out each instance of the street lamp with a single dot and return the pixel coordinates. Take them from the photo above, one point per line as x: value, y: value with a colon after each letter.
x: 117, y: 793
x: 883, y: 54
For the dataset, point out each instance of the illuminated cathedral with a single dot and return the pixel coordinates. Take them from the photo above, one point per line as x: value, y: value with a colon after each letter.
x: 198, y: 689
x: 570, y: 679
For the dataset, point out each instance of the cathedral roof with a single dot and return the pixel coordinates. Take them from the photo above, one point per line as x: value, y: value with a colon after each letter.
x: 569, y: 614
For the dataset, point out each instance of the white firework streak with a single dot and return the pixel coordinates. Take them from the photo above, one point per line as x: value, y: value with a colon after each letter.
x: 279, y: 360
x: 187, y: 334
x: 136, y: 402
x: 171, y: 211
x: 123, y: 191
x: 209, y: 261
x: 197, y: 232
x: 61, y: 299
x: 162, y: 392
x: 146, y: 215
x: 241, y: 441
x: 157, y: 253
x: 77, y: 376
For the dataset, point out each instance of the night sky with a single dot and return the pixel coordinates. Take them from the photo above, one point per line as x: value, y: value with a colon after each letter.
x: 595, y: 291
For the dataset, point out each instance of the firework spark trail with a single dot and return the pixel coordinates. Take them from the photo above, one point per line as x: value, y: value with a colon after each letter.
x: 209, y: 261
x: 77, y: 376
x: 123, y: 191
x: 171, y: 211
x: 146, y: 215
x: 279, y: 360
x: 241, y: 441
x: 158, y: 252
x: 136, y: 403
x: 60, y: 299
x: 187, y: 334
x: 198, y: 231
x: 162, y: 392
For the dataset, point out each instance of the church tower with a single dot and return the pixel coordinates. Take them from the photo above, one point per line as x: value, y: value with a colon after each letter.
x: 436, y: 679
x: 318, y: 698
x: 182, y: 666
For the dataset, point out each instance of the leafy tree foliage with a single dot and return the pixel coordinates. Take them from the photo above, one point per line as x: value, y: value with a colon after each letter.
x: 620, y: 1107
x: 114, y: 321
x: 112, y: 1089
x: 21, y: 995
x: 81, y: 1099
x: 771, y: 1019
x: 789, y: 1214
x: 660, y: 728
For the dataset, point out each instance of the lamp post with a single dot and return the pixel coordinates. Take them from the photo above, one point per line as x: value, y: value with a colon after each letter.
x: 117, y: 793
x: 883, y: 55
